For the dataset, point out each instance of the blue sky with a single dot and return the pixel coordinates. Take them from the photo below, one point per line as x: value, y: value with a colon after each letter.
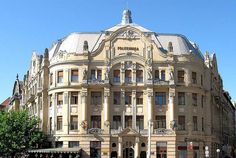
x: 29, y: 25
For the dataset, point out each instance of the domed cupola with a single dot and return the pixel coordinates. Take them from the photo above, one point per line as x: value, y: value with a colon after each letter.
x: 126, y: 18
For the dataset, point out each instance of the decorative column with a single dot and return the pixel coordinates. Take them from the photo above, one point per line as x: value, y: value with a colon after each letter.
x: 122, y: 72
x: 134, y: 72
x: 124, y: 108
x: 53, y: 112
x: 150, y: 123
x: 119, y: 147
x: 149, y: 104
x: 84, y: 123
x: 106, y: 110
x: 136, y: 152
x: 134, y: 110
x: 65, y: 111
x: 171, y: 109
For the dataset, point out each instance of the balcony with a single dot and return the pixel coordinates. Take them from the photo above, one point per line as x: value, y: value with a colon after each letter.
x: 96, y: 82
x: 31, y: 98
x: 95, y: 131
x: 163, y: 131
x: 160, y: 82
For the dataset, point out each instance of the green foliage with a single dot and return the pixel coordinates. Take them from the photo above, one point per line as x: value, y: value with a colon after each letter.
x: 18, y: 132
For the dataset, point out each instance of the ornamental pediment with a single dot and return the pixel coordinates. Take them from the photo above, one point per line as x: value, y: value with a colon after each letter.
x: 129, y: 132
x: 129, y: 34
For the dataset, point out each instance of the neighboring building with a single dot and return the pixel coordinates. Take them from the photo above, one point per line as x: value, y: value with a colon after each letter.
x: 4, y: 104
x: 129, y: 92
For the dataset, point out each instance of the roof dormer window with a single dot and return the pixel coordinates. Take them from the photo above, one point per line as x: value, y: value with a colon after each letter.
x: 170, y: 47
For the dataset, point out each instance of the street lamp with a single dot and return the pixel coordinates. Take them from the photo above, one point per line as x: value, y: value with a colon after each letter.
x: 218, y: 153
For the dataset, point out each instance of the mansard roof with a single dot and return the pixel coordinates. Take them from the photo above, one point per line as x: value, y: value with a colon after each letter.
x: 74, y: 42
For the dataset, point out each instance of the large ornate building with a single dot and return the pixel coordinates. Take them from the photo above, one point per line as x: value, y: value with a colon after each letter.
x: 128, y: 92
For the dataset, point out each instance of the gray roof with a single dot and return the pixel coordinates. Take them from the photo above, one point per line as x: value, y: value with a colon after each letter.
x: 74, y: 42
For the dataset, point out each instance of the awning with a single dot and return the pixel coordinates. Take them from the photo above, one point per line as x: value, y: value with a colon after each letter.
x: 56, y: 151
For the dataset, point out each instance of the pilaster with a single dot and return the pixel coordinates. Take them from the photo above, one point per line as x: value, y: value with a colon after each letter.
x: 84, y: 117
x: 65, y: 111
x: 134, y: 111
x: 106, y: 109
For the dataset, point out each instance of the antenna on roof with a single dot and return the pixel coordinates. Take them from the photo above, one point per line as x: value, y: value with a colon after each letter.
x: 127, y: 4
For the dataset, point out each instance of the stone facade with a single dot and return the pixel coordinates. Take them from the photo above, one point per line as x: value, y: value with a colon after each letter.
x: 130, y: 92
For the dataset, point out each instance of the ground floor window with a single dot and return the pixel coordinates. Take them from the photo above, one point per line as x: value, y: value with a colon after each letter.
x: 73, y: 144
x: 95, y: 149
x: 161, y: 150
x: 59, y: 144
x: 182, y: 150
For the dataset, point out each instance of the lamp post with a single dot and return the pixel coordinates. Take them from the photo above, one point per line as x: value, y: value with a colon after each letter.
x: 218, y: 153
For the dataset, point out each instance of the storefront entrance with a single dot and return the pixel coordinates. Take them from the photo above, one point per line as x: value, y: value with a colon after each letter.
x: 113, y: 154
x: 128, y: 153
x: 143, y: 154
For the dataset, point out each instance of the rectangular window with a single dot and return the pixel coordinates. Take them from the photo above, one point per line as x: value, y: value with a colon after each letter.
x: 74, y: 98
x: 116, y: 76
x: 128, y: 98
x: 99, y: 75
x: 96, y: 74
x: 163, y: 75
x: 181, y: 76
x: 195, y: 123
x: 139, y: 98
x: 74, y: 75
x: 93, y: 74
x: 202, y: 101
x: 51, y: 78
x: 181, y: 122
x: 139, y: 76
x: 116, y: 121
x: 194, y: 99
x: 73, y: 122
x: 160, y: 122
x: 96, y: 98
x: 59, y: 98
x: 181, y: 98
x: 59, y: 122
x: 128, y: 76
x: 59, y: 76
x: 194, y: 77
x: 139, y: 122
x: 161, y: 149
x: 128, y: 121
x: 50, y: 100
x: 116, y: 98
x: 202, y: 124
x: 50, y: 125
x: 160, y: 98
x: 201, y: 80
x: 95, y: 121
x: 73, y: 144
x: 59, y: 144
x: 95, y: 149
x: 156, y: 74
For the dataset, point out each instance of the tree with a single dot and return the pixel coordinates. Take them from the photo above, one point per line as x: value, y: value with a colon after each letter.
x: 19, y: 132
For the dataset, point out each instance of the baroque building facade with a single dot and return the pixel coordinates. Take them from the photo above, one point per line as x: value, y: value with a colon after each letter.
x: 128, y: 92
